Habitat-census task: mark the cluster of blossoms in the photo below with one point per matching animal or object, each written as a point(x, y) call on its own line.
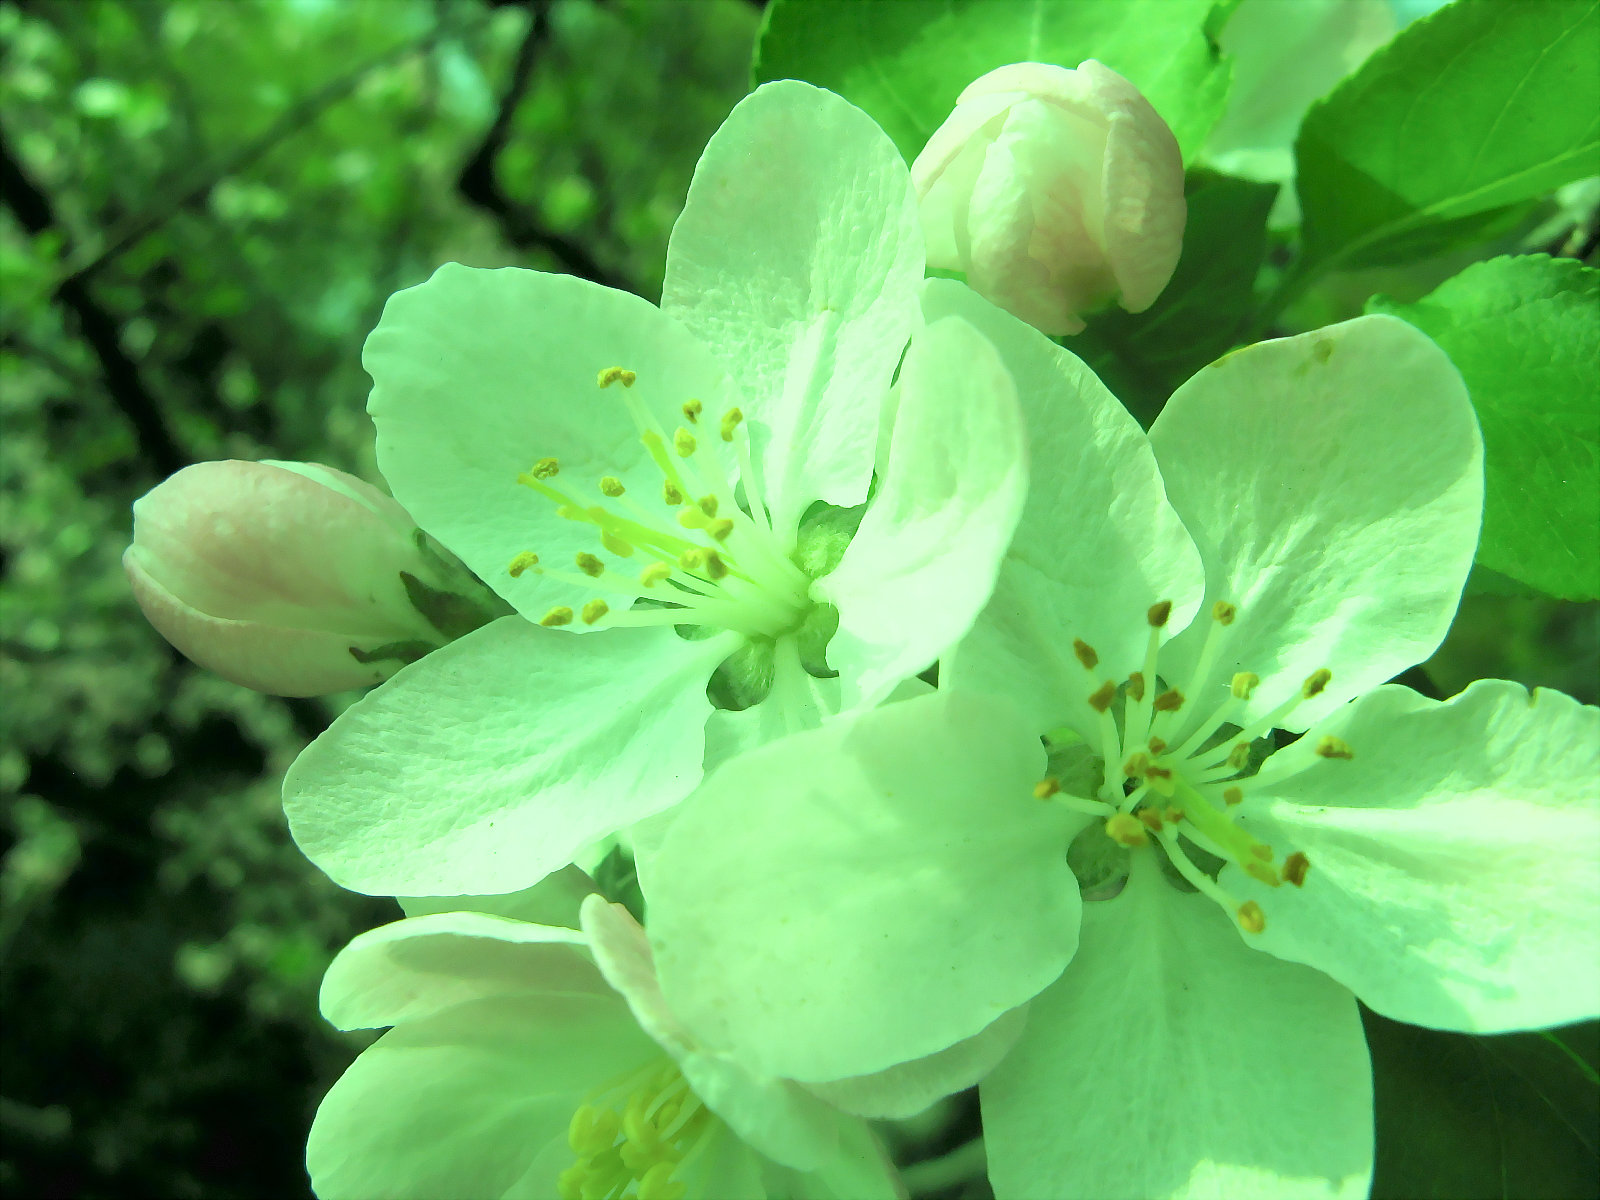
point(1130, 855)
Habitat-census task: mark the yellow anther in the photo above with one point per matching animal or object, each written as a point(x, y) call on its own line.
point(1223, 613)
point(1251, 918)
point(1170, 700)
point(545, 468)
point(1295, 868)
point(1046, 788)
point(1332, 747)
point(1264, 853)
point(521, 563)
point(692, 410)
point(1158, 613)
point(1239, 756)
point(1156, 745)
point(1136, 766)
point(592, 1130)
point(622, 549)
point(594, 610)
point(670, 492)
point(707, 505)
point(715, 567)
point(720, 528)
point(1160, 780)
point(1085, 654)
point(657, 1183)
point(683, 442)
point(1101, 698)
point(654, 574)
point(1245, 684)
point(589, 564)
point(611, 375)
point(1232, 796)
point(1136, 686)
point(610, 485)
point(730, 421)
point(1151, 819)
point(1173, 814)
point(1315, 682)
point(692, 559)
point(559, 615)
point(692, 518)
point(569, 1184)
point(1126, 830)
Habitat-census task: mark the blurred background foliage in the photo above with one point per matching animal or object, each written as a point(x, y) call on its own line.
point(205, 205)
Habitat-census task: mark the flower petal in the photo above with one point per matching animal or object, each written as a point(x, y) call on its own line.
point(474, 1101)
point(554, 900)
point(1455, 858)
point(908, 1088)
point(1334, 484)
point(479, 374)
point(415, 968)
point(1172, 1061)
point(923, 562)
point(865, 893)
point(487, 765)
point(1096, 545)
point(797, 260)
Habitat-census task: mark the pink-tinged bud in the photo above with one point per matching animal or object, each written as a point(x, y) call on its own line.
point(1055, 192)
point(282, 577)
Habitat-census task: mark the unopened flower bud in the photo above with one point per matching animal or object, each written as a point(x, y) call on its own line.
point(1055, 192)
point(291, 578)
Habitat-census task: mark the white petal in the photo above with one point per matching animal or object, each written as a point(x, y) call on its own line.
point(488, 764)
point(1455, 859)
point(1334, 484)
point(797, 260)
point(1172, 1061)
point(923, 562)
point(1097, 542)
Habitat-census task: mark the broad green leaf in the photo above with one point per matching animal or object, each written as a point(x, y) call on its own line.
point(1525, 334)
point(1478, 107)
point(1143, 357)
point(906, 61)
point(1504, 1117)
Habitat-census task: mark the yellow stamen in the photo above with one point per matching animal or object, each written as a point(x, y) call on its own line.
point(616, 545)
point(720, 528)
point(1151, 819)
point(1239, 756)
point(1223, 613)
point(714, 566)
point(1156, 745)
point(1136, 686)
point(559, 615)
point(683, 443)
point(730, 421)
point(594, 610)
point(1170, 700)
point(1232, 796)
point(521, 563)
point(546, 468)
point(610, 485)
point(670, 492)
point(590, 565)
point(1126, 830)
point(1295, 868)
point(1251, 918)
point(692, 410)
point(1085, 654)
point(1245, 684)
point(707, 505)
point(1100, 699)
point(1159, 779)
point(1136, 766)
point(1315, 682)
point(1158, 613)
point(1046, 788)
point(654, 574)
point(610, 375)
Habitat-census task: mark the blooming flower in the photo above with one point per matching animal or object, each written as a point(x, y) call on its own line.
point(1055, 192)
point(1295, 530)
point(292, 578)
point(541, 1061)
point(619, 471)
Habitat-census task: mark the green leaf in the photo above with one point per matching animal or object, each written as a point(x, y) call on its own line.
point(1480, 106)
point(1508, 1116)
point(1525, 334)
point(1143, 357)
point(905, 61)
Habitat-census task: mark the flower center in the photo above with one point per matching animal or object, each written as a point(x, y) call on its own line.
point(703, 557)
point(1156, 786)
point(632, 1137)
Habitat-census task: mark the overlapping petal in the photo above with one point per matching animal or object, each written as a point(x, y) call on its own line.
point(923, 562)
point(488, 764)
point(1455, 858)
point(804, 879)
point(810, 306)
point(1171, 1061)
point(1334, 484)
point(1097, 542)
point(479, 374)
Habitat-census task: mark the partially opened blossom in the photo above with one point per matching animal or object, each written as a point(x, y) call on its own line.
point(625, 475)
point(292, 578)
point(1295, 531)
point(1055, 192)
point(540, 1061)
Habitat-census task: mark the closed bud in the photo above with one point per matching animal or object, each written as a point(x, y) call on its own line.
point(1055, 192)
point(292, 578)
